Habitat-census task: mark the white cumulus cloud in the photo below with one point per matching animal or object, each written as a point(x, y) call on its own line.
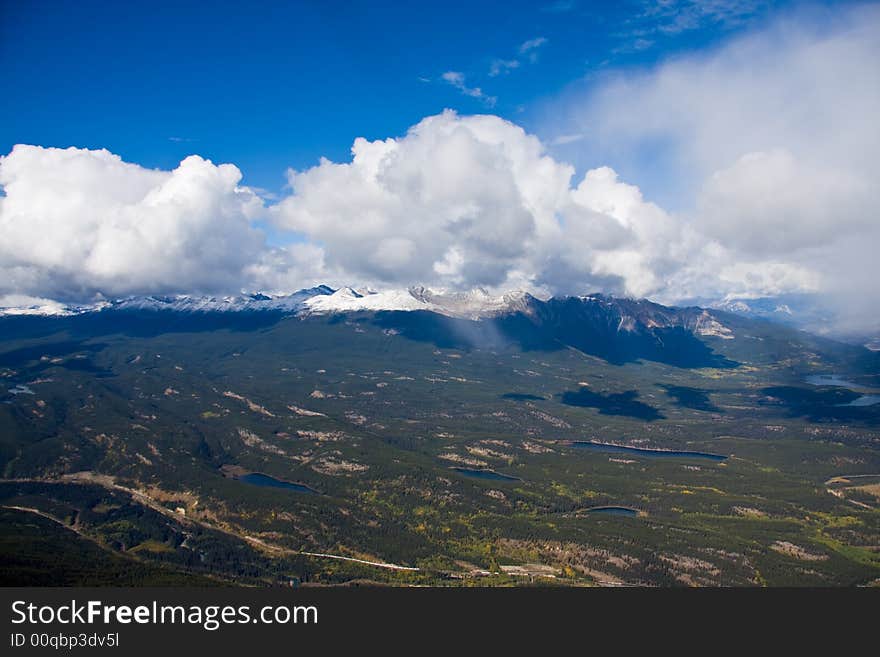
point(75, 223)
point(476, 201)
point(767, 144)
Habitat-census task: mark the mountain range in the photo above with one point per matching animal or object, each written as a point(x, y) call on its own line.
point(475, 304)
point(614, 328)
point(434, 438)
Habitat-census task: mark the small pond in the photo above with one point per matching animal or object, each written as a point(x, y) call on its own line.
point(485, 474)
point(260, 479)
point(614, 511)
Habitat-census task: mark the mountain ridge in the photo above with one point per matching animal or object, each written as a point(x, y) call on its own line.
point(322, 299)
point(616, 329)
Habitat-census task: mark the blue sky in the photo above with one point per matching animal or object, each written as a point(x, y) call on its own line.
point(681, 150)
point(269, 85)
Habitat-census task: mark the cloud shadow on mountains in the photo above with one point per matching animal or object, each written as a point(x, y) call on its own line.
point(615, 403)
point(693, 398)
point(672, 346)
point(821, 405)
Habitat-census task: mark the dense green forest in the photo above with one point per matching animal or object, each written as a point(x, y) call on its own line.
point(128, 452)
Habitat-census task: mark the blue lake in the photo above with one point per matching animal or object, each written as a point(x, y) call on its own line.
point(830, 380)
point(640, 451)
point(614, 511)
point(840, 382)
point(864, 400)
point(485, 474)
point(260, 479)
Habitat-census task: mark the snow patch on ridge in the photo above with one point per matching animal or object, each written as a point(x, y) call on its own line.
point(18, 304)
point(708, 325)
point(347, 299)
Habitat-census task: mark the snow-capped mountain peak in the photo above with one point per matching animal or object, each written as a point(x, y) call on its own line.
point(347, 299)
point(472, 304)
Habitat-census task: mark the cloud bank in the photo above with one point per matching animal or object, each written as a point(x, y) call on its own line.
point(475, 200)
point(767, 146)
point(457, 202)
point(775, 135)
point(77, 223)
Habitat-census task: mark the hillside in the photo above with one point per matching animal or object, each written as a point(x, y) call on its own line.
point(468, 443)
